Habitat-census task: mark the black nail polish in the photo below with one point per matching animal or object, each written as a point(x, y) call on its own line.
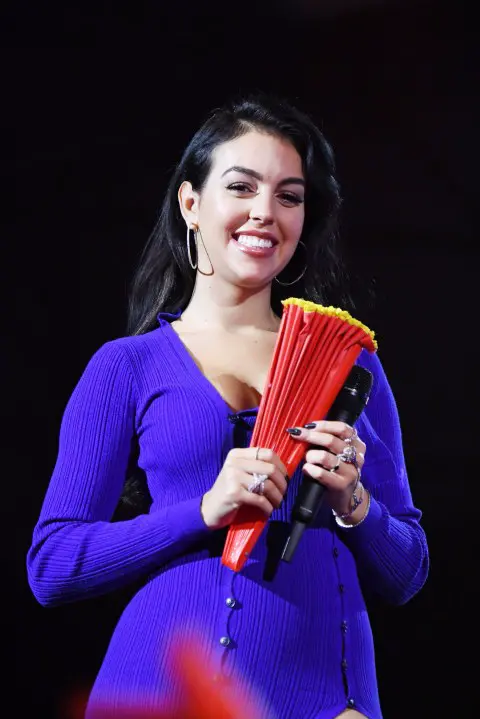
point(294, 431)
point(310, 425)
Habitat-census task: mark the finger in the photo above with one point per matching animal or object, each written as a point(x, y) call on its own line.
point(279, 481)
point(339, 429)
point(253, 466)
point(268, 455)
point(313, 433)
point(321, 439)
point(360, 460)
point(257, 500)
point(257, 453)
point(360, 445)
point(270, 490)
point(323, 458)
point(331, 461)
point(244, 452)
point(331, 480)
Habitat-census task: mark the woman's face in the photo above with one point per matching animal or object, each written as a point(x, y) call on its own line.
point(251, 209)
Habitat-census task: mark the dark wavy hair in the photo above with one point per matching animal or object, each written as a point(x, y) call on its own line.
point(164, 280)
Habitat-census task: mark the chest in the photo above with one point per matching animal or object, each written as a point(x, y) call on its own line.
point(237, 366)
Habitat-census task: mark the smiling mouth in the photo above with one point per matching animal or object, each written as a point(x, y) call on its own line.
point(254, 242)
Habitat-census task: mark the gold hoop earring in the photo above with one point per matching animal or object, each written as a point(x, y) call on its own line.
point(287, 284)
point(194, 267)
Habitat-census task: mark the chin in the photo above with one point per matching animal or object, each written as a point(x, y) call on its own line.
point(252, 281)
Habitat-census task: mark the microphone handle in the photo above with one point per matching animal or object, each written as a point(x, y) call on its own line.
point(311, 493)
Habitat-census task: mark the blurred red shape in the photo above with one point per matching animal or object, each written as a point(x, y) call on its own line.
point(203, 697)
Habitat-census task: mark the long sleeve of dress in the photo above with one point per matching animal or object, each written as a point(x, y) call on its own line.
point(76, 550)
point(390, 546)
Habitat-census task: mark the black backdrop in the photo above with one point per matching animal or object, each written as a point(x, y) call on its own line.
point(99, 104)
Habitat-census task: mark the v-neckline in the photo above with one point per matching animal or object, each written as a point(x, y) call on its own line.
point(192, 367)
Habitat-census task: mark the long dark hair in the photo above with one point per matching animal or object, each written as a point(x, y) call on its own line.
point(164, 280)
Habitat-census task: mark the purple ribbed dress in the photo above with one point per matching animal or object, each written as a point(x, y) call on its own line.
point(299, 636)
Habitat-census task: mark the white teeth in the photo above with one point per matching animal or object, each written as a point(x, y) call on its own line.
point(252, 241)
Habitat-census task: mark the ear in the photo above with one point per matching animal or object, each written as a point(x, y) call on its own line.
point(189, 201)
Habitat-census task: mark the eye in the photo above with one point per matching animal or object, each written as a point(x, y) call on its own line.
point(240, 187)
point(290, 199)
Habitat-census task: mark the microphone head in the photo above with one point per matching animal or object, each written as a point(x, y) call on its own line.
point(353, 396)
point(359, 382)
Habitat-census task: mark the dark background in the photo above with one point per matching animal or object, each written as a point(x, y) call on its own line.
point(99, 104)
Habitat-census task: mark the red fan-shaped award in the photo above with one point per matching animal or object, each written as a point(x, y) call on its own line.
point(315, 350)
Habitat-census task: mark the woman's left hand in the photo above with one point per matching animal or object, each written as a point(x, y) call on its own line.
point(338, 476)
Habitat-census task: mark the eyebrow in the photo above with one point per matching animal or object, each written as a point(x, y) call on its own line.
point(258, 176)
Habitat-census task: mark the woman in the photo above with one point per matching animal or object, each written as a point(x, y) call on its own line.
point(248, 219)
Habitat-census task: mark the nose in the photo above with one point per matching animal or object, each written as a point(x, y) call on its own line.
point(262, 209)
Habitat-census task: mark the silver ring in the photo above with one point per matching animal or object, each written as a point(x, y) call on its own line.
point(349, 455)
point(257, 452)
point(352, 437)
point(258, 484)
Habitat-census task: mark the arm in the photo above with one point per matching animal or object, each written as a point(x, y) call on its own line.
point(389, 546)
point(76, 550)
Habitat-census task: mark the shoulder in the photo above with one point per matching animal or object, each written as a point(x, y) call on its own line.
point(126, 354)
point(136, 344)
point(372, 362)
point(150, 359)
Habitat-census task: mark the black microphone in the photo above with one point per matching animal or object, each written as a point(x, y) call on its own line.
point(347, 407)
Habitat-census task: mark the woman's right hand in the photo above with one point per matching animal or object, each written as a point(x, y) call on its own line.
point(230, 490)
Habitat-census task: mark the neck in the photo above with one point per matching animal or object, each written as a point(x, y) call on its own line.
point(218, 305)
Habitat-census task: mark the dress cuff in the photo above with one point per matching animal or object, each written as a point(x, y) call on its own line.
point(185, 521)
